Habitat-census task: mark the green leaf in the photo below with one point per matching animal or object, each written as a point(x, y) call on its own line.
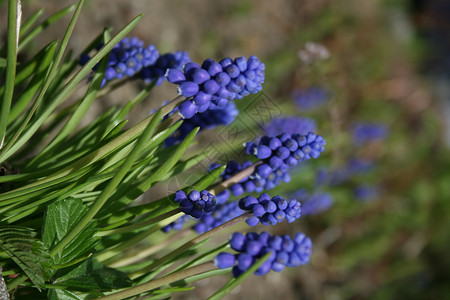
point(56, 294)
point(38, 29)
point(26, 251)
point(2, 62)
point(91, 275)
point(39, 74)
point(30, 22)
point(66, 91)
point(110, 187)
point(60, 218)
point(234, 282)
point(79, 112)
point(11, 60)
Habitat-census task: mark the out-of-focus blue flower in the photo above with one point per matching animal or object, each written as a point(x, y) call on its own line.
point(364, 132)
point(222, 213)
point(365, 193)
point(317, 203)
point(127, 58)
point(340, 175)
point(310, 98)
point(286, 252)
point(205, 120)
point(289, 125)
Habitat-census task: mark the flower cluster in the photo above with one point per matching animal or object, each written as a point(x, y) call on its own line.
point(289, 125)
point(317, 203)
point(177, 224)
point(285, 150)
point(205, 120)
point(127, 58)
point(365, 132)
point(285, 252)
point(213, 84)
point(195, 203)
point(222, 213)
point(270, 211)
point(156, 71)
point(365, 193)
point(310, 98)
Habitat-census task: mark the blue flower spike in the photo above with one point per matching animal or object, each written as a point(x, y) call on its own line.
point(213, 84)
point(286, 252)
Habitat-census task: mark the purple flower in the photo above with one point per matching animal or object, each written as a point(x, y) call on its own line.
point(213, 84)
point(157, 71)
point(195, 204)
point(317, 203)
point(310, 98)
point(205, 120)
point(285, 252)
point(289, 125)
point(127, 58)
point(365, 132)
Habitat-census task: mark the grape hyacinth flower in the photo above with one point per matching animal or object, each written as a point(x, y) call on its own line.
point(364, 132)
point(285, 252)
point(127, 58)
point(214, 84)
point(270, 211)
point(366, 193)
point(276, 155)
point(310, 98)
point(317, 203)
point(205, 120)
point(221, 214)
point(196, 203)
point(289, 125)
point(156, 72)
point(284, 151)
point(177, 224)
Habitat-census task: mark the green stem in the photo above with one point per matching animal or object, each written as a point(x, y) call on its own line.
point(146, 252)
point(188, 245)
point(234, 179)
point(109, 189)
point(11, 61)
point(139, 289)
point(140, 225)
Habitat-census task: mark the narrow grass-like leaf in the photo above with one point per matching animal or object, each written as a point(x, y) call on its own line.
point(2, 63)
point(41, 27)
point(234, 282)
point(81, 110)
point(38, 77)
point(30, 22)
point(11, 60)
point(68, 89)
point(97, 205)
point(51, 74)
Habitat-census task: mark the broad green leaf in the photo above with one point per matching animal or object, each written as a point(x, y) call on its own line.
point(91, 275)
point(60, 218)
point(57, 294)
point(20, 244)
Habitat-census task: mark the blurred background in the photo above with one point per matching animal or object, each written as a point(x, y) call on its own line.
point(372, 77)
